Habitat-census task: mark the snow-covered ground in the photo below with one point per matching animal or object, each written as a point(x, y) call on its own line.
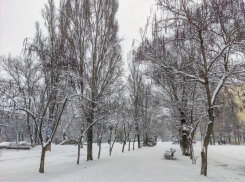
point(226, 163)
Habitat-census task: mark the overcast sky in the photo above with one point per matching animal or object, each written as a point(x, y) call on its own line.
point(17, 18)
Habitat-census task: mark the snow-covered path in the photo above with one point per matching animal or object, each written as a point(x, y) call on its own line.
point(228, 161)
point(140, 165)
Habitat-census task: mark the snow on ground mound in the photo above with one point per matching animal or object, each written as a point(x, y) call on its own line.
point(6, 144)
point(139, 165)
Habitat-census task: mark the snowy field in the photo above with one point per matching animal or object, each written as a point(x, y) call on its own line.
point(226, 163)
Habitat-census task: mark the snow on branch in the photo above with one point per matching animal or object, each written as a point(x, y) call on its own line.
point(199, 120)
point(80, 95)
point(165, 65)
point(217, 89)
point(89, 127)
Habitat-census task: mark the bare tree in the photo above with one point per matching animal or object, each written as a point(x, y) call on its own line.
point(92, 32)
point(25, 74)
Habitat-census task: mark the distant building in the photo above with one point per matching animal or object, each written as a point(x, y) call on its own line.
point(238, 93)
point(12, 126)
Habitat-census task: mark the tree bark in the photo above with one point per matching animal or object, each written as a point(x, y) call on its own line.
point(213, 138)
point(138, 137)
point(124, 143)
point(90, 144)
point(146, 140)
point(129, 144)
point(41, 169)
point(134, 141)
point(99, 148)
point(113, 143)
point(204, 152)
point(78, 153)
point(204, 163)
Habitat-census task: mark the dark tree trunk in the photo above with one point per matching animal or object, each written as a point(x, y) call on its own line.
point(78, 153)
point(204, 152)
point(213, 138)
point(124, 143)
point(113, 144)
point(90, 144)
point(138, 137)
point(134, 141)
point(99, 148)
point(184, 143)
point(36, 140)
point(129, 144)
point(146, 140)
point(29, 129)
point(191, 156)
point(204, 163)
point(41, 169)
point(121, 137)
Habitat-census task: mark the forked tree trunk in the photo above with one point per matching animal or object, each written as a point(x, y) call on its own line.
point(41, 169)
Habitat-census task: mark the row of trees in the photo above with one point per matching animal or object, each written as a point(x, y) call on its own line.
point(192, 50)
point(68, 84)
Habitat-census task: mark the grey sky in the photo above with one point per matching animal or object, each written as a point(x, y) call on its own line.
point(17, 18)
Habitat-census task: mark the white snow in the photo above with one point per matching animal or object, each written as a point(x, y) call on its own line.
point(218, 87)
point(226, 163)
point(6, 144)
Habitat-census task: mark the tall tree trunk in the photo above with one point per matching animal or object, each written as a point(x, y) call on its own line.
point(146, 140)
point(204, 152)
point(36, 140)
point(29, 129)
point(134, 141)
point(90, 134)
point(90, 144)
point(138, 137)
point(41, 169)
point(99, 147)
point(113, 142)
point(78, 153)
point(191, 155)
point(184, 143)
point(110, 143)
point(124, 143)
point(129, 144)
point(213, 138)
